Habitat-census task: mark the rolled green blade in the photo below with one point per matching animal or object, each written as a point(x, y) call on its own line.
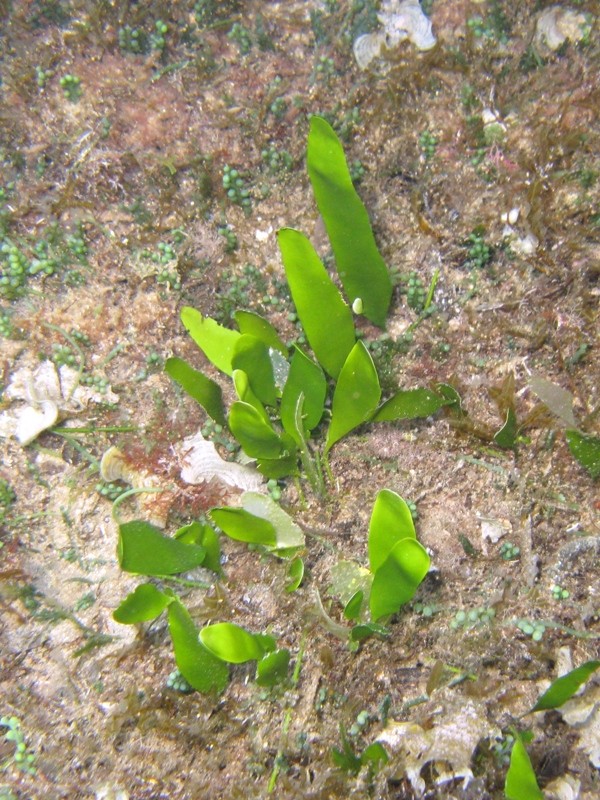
point(326, 319)
point(391, 521)
point(398, 578)
point(356, 395)
point(201, 669)
point(361, 268)
point(146, 602)
point(145, 550)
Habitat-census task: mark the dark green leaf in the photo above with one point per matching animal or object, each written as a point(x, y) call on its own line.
point(307, 378)
point(353, 606)
point(145, 550)
point(563, 689)
point(521, 783)
point(346, 759)
point(507, 435)
point(452, 397)
point(255, 325)
point(410, 404)
point(257, 438)
point(278, 468)
point(231, 643)
point(361, 268)
point(273, 668)
point(204, 535)
point(367, 629)
point(295, 572)
point(204, 390)
point(146, 602)
point(216, 342)
point(252, 357)
point(398, 578)
point(391, 521)
point(374, 756)
point(585, 450)
point(356, 395)
point(243, 526)
point(201, 669)
point(326, 319)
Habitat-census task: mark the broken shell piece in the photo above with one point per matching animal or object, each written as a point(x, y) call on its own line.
point(49, 395)
point(400, 21)
point(492, 530)
point(368, 47)
point(525, 245)
point(555, 25)
point(450, 742)
point(155, 505)
point(30, 421)
point(201, 463)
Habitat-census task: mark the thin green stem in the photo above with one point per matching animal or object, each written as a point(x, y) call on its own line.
point(129, 493)
point(432, 285)
point(287, 719)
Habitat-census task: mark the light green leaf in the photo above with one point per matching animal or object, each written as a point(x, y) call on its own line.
point(356, 395)
point(307, 378)
point(231, 643)
point(254, 324)
point(216, 342)
point(201, 669)
point(246, 395)
point(361, 268)
point(391, 521)
point(143, 549)
point(585, 450)
point(252, 357)
point(288, 534)
point(348, 578)
point(521, 783)
point(410, 404)
point(563, 689)
point(326, 319)
point(243, 526)
point(398, 578)
point(146, 602)
point(554, 397)
point(204, 390)
point(257, 438)
point(273, 668)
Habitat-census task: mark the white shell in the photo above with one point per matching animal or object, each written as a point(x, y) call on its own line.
point(367, 47)
point(48, 394)
point(30, 421)
point(555, 25)
point(513, 216)
point(200, 463)
point(406, 20)
point(400, 20)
